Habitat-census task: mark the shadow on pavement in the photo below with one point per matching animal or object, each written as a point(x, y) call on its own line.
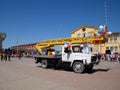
point(71, 70)
point(98, 70)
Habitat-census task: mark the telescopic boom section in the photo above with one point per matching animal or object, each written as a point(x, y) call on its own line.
point(60, 41)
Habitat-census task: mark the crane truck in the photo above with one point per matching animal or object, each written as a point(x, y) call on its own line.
point(76, 53)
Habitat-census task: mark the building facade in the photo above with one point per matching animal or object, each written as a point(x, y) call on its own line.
point(24, 48)
point(113, 42)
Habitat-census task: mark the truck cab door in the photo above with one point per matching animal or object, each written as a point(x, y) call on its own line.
point(66, 55)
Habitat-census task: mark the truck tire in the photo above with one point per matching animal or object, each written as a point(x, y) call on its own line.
point(78, 67)
point(44, 63)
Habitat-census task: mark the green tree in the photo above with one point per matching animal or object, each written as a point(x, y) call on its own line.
point(2, 37)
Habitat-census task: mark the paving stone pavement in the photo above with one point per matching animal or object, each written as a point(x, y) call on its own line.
point(24, 74)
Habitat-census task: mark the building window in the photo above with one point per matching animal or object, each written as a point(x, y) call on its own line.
point(115, 39)
point(111, 39)
point(83, 35)
point(78, 35)
point(115, 48)
point(83, 29)
point(88, 34)
point(111, 48)
point(107, 48)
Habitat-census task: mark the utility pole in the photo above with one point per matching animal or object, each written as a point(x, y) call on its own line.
point(17, 46)
point(106, 16)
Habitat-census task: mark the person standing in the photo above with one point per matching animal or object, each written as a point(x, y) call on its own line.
point(20, 55)
point(119, 58)
point(98, 57)
point(2, 56)
point(9, 56)
point(5, 57)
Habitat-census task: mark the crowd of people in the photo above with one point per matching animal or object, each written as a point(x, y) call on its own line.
point(100, 57)
point(109, 57)
point(5, 56)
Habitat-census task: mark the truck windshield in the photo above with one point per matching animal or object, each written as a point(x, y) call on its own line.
point(76, 49)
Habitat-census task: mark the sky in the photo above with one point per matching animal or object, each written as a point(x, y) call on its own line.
point(29, 21)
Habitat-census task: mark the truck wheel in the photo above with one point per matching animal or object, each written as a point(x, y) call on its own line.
point(44, 64)
point(78, 67)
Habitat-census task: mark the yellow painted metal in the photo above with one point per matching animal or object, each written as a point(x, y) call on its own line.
point(73, 40)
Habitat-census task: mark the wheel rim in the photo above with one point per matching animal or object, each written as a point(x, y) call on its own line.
point(78, 67)
point(44, 64)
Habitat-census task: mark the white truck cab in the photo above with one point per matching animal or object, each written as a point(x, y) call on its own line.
point(75, 52)
point(79, 57)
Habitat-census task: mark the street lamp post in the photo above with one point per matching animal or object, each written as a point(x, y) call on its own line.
point(17, 47)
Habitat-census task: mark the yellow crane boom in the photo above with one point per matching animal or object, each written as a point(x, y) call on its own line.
point(73, 40)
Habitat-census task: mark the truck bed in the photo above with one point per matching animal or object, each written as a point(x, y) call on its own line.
point(52, 62)
point(47, 57)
